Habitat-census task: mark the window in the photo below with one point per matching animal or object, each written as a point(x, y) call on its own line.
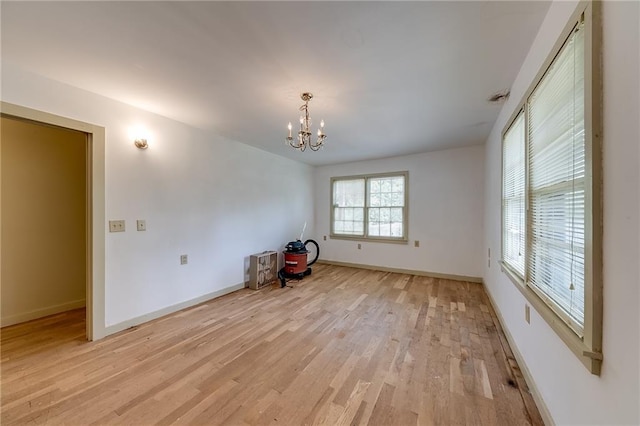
point(370, 207)
point(550, 194)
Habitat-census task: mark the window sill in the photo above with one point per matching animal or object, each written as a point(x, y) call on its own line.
point(369, 239)
point(591, 360)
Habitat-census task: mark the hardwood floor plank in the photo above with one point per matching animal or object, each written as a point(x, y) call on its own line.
point(383, 410)
point(343, 346)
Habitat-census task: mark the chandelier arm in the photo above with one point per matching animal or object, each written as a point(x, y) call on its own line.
point(318, 143)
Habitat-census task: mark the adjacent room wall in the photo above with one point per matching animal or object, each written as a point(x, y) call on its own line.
point(43, 220)
point(570, 393)
point(216, 200)
point(445, 213)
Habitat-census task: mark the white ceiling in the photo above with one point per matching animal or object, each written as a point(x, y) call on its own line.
point(388, 78)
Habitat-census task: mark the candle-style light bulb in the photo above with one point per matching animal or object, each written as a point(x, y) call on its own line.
point(319, 132)
point(321, 123)
point(289, 127)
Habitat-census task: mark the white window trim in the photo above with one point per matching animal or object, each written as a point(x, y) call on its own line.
point(588, 348)
point(405, 219)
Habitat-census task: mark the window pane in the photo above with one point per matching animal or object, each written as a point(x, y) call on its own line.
point(348, 227)
point(374, 229)
point(348, 214)
point(396, 215)
point(396, 229)
point(375, 199)
point(397, 184)
point(386, 191)
point(385, 215)
point(348, 220)
point(358, 228)
point(557, 181)
point(348, 193)
point(386, 222)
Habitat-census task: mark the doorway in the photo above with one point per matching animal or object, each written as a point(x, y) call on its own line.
point(52, 251)
point(44, 230)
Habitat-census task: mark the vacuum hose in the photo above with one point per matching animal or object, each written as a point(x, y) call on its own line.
point(317, 251)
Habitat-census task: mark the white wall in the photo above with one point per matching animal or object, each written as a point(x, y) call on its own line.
point(216, 200)
point(571, 394)
point(445, 213)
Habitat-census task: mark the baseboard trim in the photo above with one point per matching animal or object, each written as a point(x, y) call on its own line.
point(43, 312)
point(403, 271)
point(542, 407)
point(112, 329)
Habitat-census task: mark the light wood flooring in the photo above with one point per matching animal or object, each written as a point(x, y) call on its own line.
point(343, 346)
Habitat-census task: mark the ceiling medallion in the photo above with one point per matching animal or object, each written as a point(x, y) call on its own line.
point(304, 134)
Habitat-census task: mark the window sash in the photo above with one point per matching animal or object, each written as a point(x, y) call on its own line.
point(385, 206)
point(556, 175)
point(348, 206)
point(513, 196)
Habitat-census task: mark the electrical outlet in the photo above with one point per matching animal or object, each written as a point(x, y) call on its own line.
point(142, 225)
point(184, 259)
point(116, 226)
point(359, 246)
point(527, 314)
point(325, 238)
point(416, 243)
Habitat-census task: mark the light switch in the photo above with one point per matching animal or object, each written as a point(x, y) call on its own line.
point(184, 259)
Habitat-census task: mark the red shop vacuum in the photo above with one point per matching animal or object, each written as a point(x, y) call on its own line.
point(297, 264)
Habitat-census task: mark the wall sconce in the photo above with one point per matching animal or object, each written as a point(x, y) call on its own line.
point(141, 143)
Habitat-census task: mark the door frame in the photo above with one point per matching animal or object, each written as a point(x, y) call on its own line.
point(95, 209)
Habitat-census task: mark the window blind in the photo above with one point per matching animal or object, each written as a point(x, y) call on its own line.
point(556, 155)
point(513, 196)
point(348, 206)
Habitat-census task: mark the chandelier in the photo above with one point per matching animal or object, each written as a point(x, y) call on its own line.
point(304, 134)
